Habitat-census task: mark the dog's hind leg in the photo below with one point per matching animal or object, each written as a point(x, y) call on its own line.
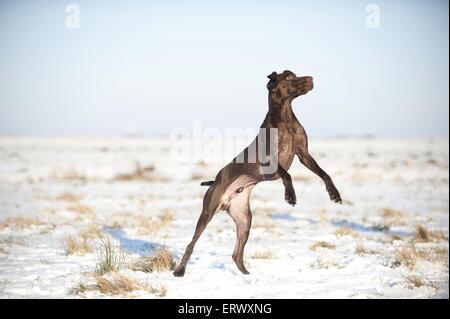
point(210, 206)
point(240, 211)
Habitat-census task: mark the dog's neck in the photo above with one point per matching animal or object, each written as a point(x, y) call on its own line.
point(281, 109)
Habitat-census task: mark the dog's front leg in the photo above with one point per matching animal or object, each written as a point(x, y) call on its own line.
point(289, 191)
point(312, 165)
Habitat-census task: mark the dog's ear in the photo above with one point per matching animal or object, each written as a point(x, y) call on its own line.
point(273, 79)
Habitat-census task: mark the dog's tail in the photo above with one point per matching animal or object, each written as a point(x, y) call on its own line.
point(208, 183)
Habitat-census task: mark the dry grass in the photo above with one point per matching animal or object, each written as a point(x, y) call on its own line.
point(361, 250)
point(417, 281)
point(139, 173)
point(199, 174)
point(68, 173)
point(111, 256)
point(118, 284)
point(68, 197)
point(20, 223)
point(91, 232)
point(149, 226)
point(116, 225)
point(163, 260)
point(437, 255)
point(409, 255)
point(81, 209)
point(392, 217)
point(322, 244)
point(406, 256)
point(74, 245)
point(424, 235)
point(346, 231)
point(266, 254)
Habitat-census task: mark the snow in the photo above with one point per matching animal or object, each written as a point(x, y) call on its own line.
point(407, 176)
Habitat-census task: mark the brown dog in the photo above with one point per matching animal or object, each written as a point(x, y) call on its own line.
point(231, 189)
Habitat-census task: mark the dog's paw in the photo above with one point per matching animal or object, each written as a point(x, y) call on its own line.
point(334, 194)
point(179, 273)
point(290, 197)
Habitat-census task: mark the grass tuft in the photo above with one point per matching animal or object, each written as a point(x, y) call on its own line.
point(424, 235)
point(392, 217)
point(68, 197)
point(163, 260)
point(406, 256)
point(118, 284)
point(346, 231)
point(322, 244)
point(361, 250)
point(73, 245)
point(111, 256)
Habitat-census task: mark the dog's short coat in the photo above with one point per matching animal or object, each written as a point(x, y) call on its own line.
point(233, 184)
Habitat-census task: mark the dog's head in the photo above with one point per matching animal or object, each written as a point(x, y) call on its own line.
point(288, 86)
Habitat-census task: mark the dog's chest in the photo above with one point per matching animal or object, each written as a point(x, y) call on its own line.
point(285, 149)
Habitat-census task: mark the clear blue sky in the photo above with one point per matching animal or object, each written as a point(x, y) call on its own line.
point(151, 66)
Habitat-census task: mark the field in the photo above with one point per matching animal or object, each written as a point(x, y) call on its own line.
point(110, 217)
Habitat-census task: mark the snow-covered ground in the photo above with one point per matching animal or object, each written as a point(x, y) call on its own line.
point(389, 238)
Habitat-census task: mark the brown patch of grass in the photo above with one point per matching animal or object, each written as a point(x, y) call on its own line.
point(406, 256)
point(74, 245)
point(152, 225)
point(139, 173)
point(118, 284)
point(394, 238)
point(163, 260)
point(20, 223)
point(434, 255)
point(92, 232)
point(199, 174)
point(392, 217)
point(346, 231)
point(322, 244)
point(116, 225)
point(424, 235)
point(68, 173)
point(361, 250)
point(81, 209)
point(266, 254)
point(417, 281)
point(68, 197)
